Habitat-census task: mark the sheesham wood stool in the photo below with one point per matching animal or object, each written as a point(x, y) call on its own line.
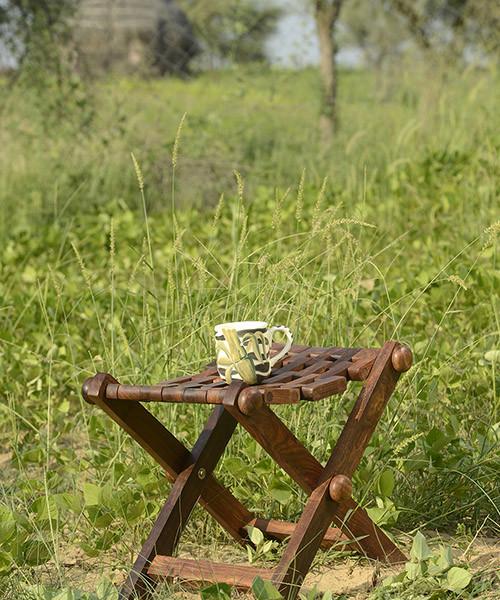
point(305, 374)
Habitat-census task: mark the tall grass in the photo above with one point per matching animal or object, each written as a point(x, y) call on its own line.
point(391, 234)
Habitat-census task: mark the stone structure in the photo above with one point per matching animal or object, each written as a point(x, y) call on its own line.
point(133, 36)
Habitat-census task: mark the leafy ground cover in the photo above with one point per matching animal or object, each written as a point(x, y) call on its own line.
point(123, 264)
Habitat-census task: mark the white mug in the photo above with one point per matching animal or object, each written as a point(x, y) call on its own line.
point(244, 350)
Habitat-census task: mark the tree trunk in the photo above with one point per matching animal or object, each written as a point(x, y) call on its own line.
point(326, 14)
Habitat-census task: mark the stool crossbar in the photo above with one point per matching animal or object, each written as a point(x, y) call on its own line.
point(305, 374)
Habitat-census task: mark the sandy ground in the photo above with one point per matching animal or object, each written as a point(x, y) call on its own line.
point(356, 578)
point(352, 577)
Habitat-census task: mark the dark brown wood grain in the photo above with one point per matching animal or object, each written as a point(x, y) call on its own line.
point(304, 543)
point(280, 443)
point(292, 380)
point(365, 353)
point(289, 453)
point(173, 457)
point(204, 571)
point(364, 416)
point(360, 369)
point(281, 530)
point(324, 387)
point(184, 495)
point(320, 509)
point(306, 373)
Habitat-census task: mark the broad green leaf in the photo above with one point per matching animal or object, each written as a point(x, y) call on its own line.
point(68, 501)
point(135, 510)
point(217, 591)
point(413, 570)
point(235, 466)
point(265, 590)
point(392, 579)
point(7, 524)
point(34, 455)
point(105, 590)
point(256, 536)
point(99, 517)
point(378, 515)
point(445, 559)
point(437, 440)
point(420, 549)
point(280, 491)
point(263, 467)
point(36, 552)
point(91, 494)
point(66, 594)
point(433, 569)
point(386, 483)
point(457, 579)
point(6, 562)
point(106, 495)
point(492, 356)
point(45, 508)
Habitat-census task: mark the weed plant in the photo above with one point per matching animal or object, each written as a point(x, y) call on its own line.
point(120, 264)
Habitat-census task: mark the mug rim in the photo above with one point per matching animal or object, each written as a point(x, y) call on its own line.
point(242, 326)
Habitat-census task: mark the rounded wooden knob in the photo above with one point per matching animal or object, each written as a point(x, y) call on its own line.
point(340, 488)
point(402, 359)
point(250, 400)
point(94, 388)
point(85, 390)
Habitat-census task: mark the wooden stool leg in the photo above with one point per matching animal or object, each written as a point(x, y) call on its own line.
point(184, 495)
point(280, 443)
point(169, 453)
point(304, 543)
point(325, 501)
point(192, 472)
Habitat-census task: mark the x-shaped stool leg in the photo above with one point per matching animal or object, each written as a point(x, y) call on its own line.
point(191, 472)
point(329, 487)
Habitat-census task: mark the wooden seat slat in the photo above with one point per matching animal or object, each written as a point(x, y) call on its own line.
point(305, 373)
point(324, 388)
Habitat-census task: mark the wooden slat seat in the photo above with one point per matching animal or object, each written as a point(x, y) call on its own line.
point(305, 373)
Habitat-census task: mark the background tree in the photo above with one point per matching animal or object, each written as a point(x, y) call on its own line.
point(457, 28)
point(32, 30)
point(326, 13)
point(37, 35)
point(374, 28)
point(232, 30)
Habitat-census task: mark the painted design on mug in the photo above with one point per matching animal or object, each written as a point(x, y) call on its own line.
point(244, 350)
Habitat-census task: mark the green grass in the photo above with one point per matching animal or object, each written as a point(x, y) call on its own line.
point(397, 242)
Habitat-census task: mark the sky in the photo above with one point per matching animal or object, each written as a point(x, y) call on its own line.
point(295, 44)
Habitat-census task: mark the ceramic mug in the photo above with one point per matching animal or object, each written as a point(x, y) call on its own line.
point(244, 350)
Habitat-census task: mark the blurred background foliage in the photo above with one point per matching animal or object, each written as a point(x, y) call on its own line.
point(385, 227)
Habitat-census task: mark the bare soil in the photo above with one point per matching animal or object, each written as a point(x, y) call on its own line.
point(352, 577)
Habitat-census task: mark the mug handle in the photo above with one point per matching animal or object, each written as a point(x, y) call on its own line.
point(286, 347)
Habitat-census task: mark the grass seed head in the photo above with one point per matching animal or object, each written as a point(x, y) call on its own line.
point(138, 172)
point(175, 150)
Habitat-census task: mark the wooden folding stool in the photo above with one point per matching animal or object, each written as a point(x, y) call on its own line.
point(305, 374)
